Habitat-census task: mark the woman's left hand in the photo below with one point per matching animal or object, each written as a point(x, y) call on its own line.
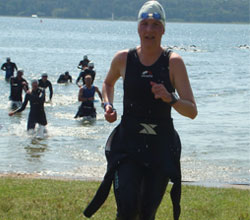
point(160, 92)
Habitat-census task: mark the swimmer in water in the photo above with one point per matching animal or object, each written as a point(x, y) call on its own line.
point(17, 85)
point(86, 96)
point(87, 71)
point(83, 63)
point(65, 78)
point(9, 68)
point(45, 83)
point(36, 98)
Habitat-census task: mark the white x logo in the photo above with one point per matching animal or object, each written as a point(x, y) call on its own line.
point(148, 129)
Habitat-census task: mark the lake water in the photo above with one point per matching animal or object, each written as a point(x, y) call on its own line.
point(215, 146)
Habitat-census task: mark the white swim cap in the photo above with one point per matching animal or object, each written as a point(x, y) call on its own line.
point(20, 70)
point(34, 81)
point(91, 64)
point(152, 9)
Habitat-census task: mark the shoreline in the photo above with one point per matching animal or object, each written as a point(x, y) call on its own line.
point(96, 179)
point(127, 20)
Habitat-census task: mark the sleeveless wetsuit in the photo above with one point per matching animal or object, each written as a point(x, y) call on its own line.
point(87, 108)
point(88, 93)
point(37, 113)
point(143, 152)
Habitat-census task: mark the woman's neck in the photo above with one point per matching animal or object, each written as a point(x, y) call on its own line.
point(149, 56)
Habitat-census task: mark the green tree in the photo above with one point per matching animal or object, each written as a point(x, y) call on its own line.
point(176, 10)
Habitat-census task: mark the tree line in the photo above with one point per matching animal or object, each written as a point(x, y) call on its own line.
point(176, 10)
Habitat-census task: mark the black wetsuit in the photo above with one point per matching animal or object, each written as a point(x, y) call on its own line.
point(46, 85)
point(87, 108)
point(63, 79)
point(37, 113)
point(16, 88)
point(9, 69)
point(84, 63)
point(85, 73)
point(143, 152)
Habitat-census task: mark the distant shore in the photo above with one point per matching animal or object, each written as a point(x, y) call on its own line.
point(127, 20)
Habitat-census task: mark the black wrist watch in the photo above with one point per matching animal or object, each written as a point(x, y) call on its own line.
point(174, 97)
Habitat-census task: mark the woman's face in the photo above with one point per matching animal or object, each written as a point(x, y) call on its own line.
point(150, 32)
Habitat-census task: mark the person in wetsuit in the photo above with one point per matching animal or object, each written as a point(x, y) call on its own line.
point(45, 83)
point(86, 96)
point(88, 71)
point(65, 78)
point(143, 152)
point(9, 68)
point(17, 85)
point(36, 98)
point(83, 64)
